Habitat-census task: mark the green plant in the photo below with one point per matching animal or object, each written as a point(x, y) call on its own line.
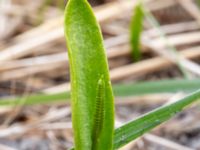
point(136, 27)
point(120, 90)
point(92, 98)
point(138, 127)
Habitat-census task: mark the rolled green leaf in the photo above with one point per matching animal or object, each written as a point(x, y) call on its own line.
point(90, 82)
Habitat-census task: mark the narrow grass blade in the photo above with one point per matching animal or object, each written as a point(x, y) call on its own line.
point(92, 95)
point(36, 99)
point(138, 127)
point(153, 87)
point(136, 27)
point(121, 90)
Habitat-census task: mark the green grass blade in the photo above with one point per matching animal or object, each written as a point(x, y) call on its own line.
point(153, 87)
point(89, 76)
point(136, 27)
point(121, 90)
point(35, 99)
point(138, 127)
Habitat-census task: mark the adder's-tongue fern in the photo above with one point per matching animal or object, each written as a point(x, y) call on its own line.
point(92, 98)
